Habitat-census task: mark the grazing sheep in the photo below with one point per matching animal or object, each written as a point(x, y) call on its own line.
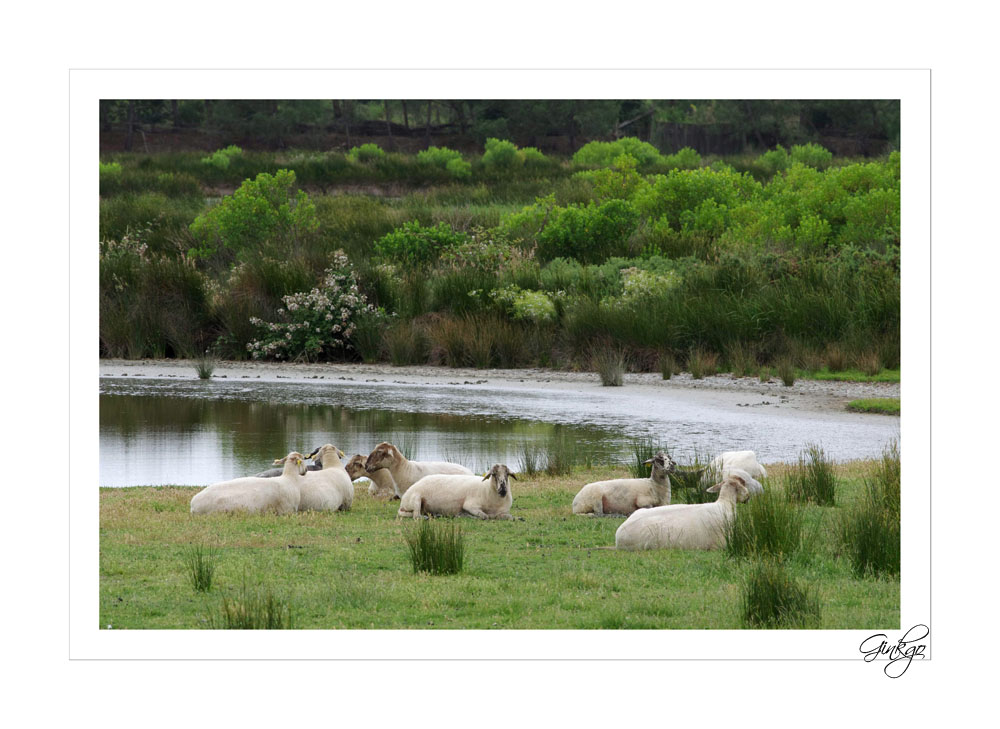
point(253, 494)
point(405, 473)
point(488, 497)
point(382, 486)
point(329, 489)
point(625, 495)
point(729, 461)
point(684, 526)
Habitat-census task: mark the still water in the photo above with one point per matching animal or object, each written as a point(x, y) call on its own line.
point(192, 432)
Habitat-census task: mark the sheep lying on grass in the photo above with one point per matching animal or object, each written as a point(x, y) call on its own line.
point(382, 486)
point(724, 463)
point(405, 473)
point(684, 526)
point(316, 465)
point(329, 489)
point(625, 495)
point(488, 497)
point(254, 494)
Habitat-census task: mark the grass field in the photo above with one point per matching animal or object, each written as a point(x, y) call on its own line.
point(552, 570)
point(882, 405)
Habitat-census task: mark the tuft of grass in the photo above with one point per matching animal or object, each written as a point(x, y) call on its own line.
point(868, 534)
point(764, 375)
point(701, 362)
point(771, 598)
point(405, 344)
point(253, 609)
point(742, 359)
point(560, 456)
point(438, 549)
point(785, 367)
point(610, 365)
point(530, 458)
point(642, 450)
point(882, 405)
point(869, 363)
point(766, 526)
point(813, 479)
point(835, 357)
point(205, 365)
point(668, 365)
point(854, 375)
point(200, 563)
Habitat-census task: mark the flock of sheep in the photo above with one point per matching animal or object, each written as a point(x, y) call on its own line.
point(439, 488)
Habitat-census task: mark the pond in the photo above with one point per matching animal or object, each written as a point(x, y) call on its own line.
point(192, 432)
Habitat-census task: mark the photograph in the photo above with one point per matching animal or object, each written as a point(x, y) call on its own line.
point(605, 363)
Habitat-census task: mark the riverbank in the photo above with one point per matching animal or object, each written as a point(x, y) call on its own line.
point(551, 570)
point(725, 391)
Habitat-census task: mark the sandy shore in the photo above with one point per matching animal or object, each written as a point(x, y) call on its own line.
point(719, 390)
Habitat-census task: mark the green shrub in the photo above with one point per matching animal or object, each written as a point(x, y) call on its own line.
point(459, 169)
point(446, 159)
point(501, 154)
point(771, 598)
point(812, 479)
point(767, 525)
point(812, 155)
point(679, 192)
point(869, 532)
point(110, 170)
point(773, 161)
point(366, 153)
point(222, 158)
point(683, 159)
point(588, 233)
point(438, 549)
point(268, 211)
point(416, 245)
point(603, 154)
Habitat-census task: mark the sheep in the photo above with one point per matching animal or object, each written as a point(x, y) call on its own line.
point(382, 486)
point(404, 472)
point(684, 526)
point(316, 465)
point(329, 489)
point(743, 460)
point(253, 494)
point(625, 495)
point(488, 497)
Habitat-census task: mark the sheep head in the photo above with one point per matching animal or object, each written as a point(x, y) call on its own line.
point(384, 455)
point(731, 486)
point(329, 453)
point(295, 458)
point(356, 467)
point(500, 473)
point(662, 462)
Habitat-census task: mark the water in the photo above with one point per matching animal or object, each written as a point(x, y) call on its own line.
point(193, 432)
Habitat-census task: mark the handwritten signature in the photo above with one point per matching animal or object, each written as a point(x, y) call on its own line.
point(899, 654)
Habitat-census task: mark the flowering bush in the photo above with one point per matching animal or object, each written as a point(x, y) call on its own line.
point(317, 323)
point(487, 250)
point(534, 306)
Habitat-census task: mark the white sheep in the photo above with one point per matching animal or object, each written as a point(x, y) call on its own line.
point(254, 494)
point(381, 487)
point(625, 495)
point(729, 461)
point(404, 472)
point(439, 494)
point(330, 488)
point(684, 526)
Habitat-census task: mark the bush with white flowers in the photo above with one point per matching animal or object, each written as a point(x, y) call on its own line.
point(316, 324)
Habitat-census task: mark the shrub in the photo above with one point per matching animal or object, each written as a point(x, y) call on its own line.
point(222, 158)
point(446, 159)
point(701, 362)
point(366, 153)
point(813, 479)
point(610, 366)
point(405, 344)
point(318, 323)
point(811, 155)
point(436, 548)
point(501, 155)
point(534, 159)
point(771, 598)
point(254, 609)
point(535, 306)
point(767, 525)
point(266, 211)
point(602, 154)
point(773, 161)
point(416, 245)
point(200, 563)
point(459, 169)
point(684, 159)
point(205, 365)
point(588, 233)
point(110, 171)
point(681, 197)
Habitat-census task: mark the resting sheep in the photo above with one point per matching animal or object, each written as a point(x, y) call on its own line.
point(316, 465)
point(254, 494)
point(625, 495)
point(488, 497)
point(382, 486)
point(684, 526)
point(329, 489)
point(404, 472)
point(729, 461)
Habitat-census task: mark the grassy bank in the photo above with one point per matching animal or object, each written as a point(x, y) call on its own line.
point(552, 570)
point(883, 405)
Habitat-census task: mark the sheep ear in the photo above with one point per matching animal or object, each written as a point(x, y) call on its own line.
point(277, 461)
point(512, 476)
point(486, 477)
point(340, 452)
point(714, 489)
point(647, 462)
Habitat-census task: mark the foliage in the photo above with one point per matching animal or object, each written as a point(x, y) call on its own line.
point(886, 405)
point(812, 479)
point(610, 366)
point(265, 212)
point(771, 598)
point(766, 526)
point(446, 159)
point(533, 306)
point(869, 533)
point(811, 155)
point(367, 152)
point(603, 154)
point(438, 549)
point(589, 233)
point(416, 245)
point(501, 154)
point(200, 564)
point(222, 158)
point(318, 323)
point(253, 609)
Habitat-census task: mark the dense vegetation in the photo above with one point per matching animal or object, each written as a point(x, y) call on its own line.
point(507, 258)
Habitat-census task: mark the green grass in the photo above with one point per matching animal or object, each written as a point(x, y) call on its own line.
point(553, 570)
point(767, 525)
point(813, 479)
point(200, 564)
point(772, 598)
point(850, 375)
point(883, 405)
point(437, 549)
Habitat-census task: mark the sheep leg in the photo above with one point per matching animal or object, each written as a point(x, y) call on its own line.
point(478, 513)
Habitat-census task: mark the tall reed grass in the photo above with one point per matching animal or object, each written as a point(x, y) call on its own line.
point(200, 564)
point(438, 549)
point(253, 608)
point(610, 364)
point(771, 598)
point(812, 479)
point(768, 525)
point(869, 532)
